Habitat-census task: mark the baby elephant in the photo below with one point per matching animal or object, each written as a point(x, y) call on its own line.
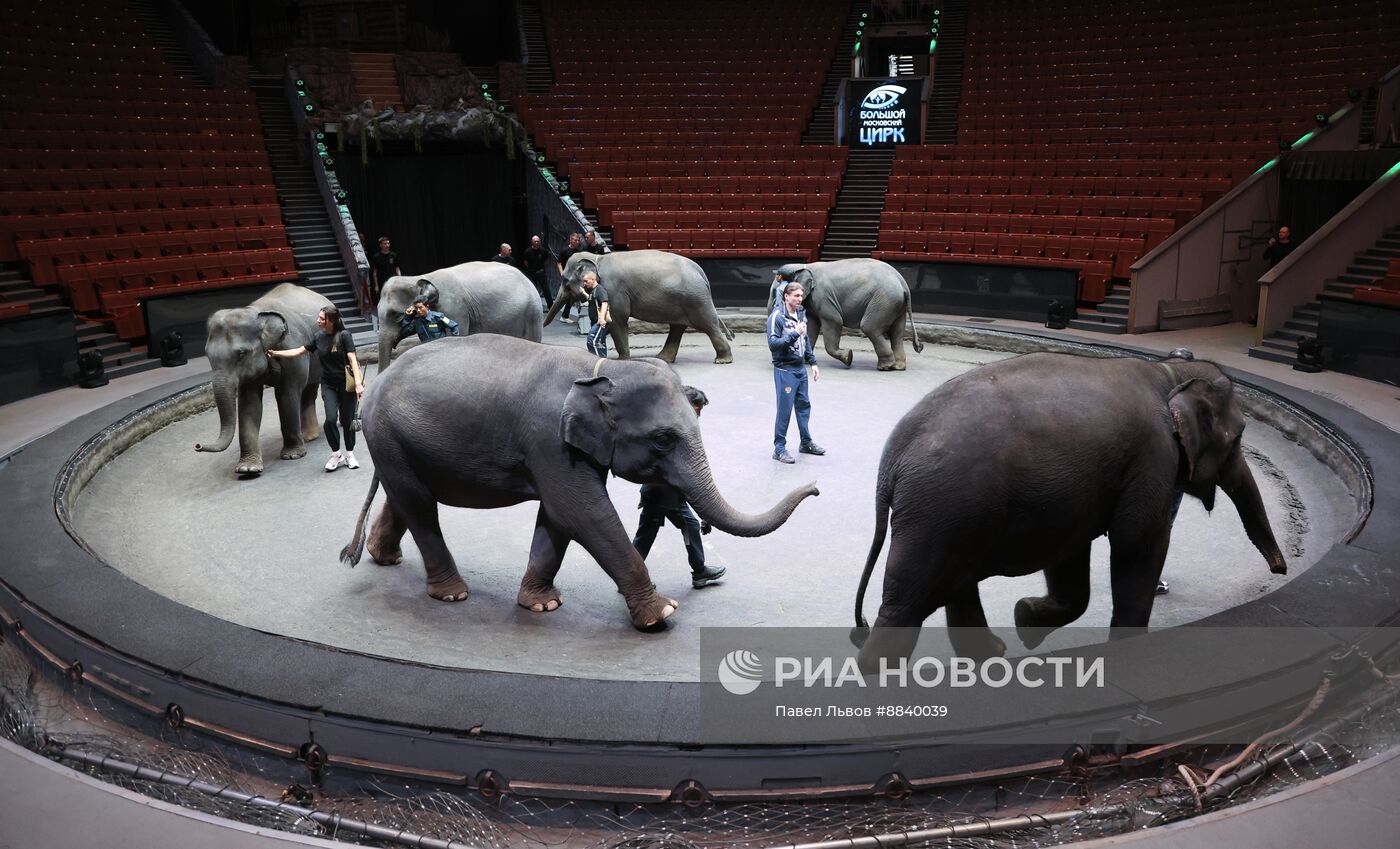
point(1019, 465)
point(514, 421)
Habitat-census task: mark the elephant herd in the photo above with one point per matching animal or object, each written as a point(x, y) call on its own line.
point(1082, 447)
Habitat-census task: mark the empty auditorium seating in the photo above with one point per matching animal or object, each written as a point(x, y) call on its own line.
point(1111, 122)
point(695, 117)
point(121, 179)
point(1387, 290)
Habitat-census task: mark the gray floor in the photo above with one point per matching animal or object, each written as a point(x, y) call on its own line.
point(262, 553)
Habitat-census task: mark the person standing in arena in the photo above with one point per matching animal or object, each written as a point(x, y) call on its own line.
point(792, 354)
point(383, 264)
point(342, 383)
point(597, 314)
point(575, 245)
point(534, 259)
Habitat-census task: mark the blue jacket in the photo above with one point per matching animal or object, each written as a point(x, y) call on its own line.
point(434, 325)
point(790, 349)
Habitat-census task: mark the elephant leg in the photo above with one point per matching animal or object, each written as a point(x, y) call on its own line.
point(831, 340)
point(967, 627)
point(1135, 565)
point(250, 410)
point(537, 590)
point(617, 329)
point(709, 325)
point(310, 425)
point(386, 537)
point(673, 343)
point(897, 339)
point(601, 533)
point(1065, 600)
point(416, 508)
point(289, 408)
point(875, 330)
point(917, 583)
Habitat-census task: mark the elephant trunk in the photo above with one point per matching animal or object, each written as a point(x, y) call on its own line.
point(1238, 483)
point(226, 400)
point(388, 338)
point(560, 301)
point(702, 494)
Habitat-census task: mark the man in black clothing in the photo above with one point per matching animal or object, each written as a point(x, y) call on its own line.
point(575, 245)
point(383, 265)
point(593, 244)
point(534, 258)
point(597, 315)
point(1280, 246)
point(503, 256)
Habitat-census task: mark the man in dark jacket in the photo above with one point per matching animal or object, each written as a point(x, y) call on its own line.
point(792, 353)
point(427, 323)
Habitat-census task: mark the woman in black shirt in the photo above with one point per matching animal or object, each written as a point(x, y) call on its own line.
point(334, 347)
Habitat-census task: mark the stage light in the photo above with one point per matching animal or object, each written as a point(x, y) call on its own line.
point(91, 371)
point(330, 162)
point(320, 137)
point(563, 187)
point(301, 83)
point(340, 195)
point(172, 350)
point(1309, 356)
point(1056, 316)
point(310, 108)
point(1321, 119)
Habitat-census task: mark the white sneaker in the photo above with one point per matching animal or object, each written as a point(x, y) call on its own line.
point(334, 462)
point(350, 461)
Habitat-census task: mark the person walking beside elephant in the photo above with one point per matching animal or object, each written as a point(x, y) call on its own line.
point(428, 324)
point(562, 261)
point(792, 353)
point(597, 315)
point(342, 383)
point(661, 503)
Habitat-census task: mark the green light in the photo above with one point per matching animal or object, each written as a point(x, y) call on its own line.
point(340, 194)
point(484, 86)
point(863, 14)
point(932, 44)
point(1300, 142)
point(310, 108)
point(1394, 169)
point(301, 83)
point(301, 93)
point(500, 109)
point(857, 49)
point(330, 162)
point(1266, 166)
point(320, 136)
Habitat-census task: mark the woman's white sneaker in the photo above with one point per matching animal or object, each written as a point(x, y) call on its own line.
point(350, 461)
point(334, 462)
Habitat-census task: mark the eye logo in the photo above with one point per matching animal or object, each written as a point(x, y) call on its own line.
point(883, 97)
point(741, 672)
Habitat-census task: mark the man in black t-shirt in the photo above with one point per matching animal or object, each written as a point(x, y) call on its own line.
point(534, 258)
point(597, 314)
point(1280, 246)
point(383, 265)
point(562, 261)
point(503, 255)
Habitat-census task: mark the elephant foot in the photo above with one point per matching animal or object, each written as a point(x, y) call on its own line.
point(977, 643)
point(891, 365)
point(667, 356)
point(384, 555)
point(539, 599)
point(651, 614)
point(724, 359)
point(450, 589)
point(293, 452)
point(249, 466)
point(846, 358)
point(311, 435)
point(1032, 624)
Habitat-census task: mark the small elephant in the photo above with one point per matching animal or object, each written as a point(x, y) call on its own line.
point(238, 342)
point(1019, 465)
point(519, 422)
point(654, 286)
point(482, 297)
point(864, 293)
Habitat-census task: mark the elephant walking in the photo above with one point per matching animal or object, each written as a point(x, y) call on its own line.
point(654, 286)
point(516, 421)
point(238, 342)
point(864, 293)
point(482, 297)
point(1018, 466)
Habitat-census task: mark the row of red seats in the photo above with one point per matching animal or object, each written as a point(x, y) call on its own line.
point(1180, 209)
point(119, 200)
point(739, 242)
point(82, 160)
point(1386, 291)
point(608, 203)
point(43, 180)
point(824, 186)
point(1020, 151)
point(622, 220)
point(85, 284)
point(663, 91)
point(185, 138)
point(1127, 135)
point(1093, 274)
point(1220, 169)
point(13, 311)
point(86, 123)
point(1120, 253)
point(639, 170)
point(1153, 230)
point(1060, 186)
point(80, 224)
point(682, 118)
point(46, 256)
point(165, 88)
point(125, 306)
point(704, 153)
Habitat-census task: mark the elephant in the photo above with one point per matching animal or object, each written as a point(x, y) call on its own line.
point(864, 293)
point(238, 342)
point(1019, 465)
point(526, 422)
point(483, 297)
point(654, 286)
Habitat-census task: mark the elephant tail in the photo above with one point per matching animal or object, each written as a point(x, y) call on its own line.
point(882, 524)
point(724, 328)
point(350, 554)
point(913, 328)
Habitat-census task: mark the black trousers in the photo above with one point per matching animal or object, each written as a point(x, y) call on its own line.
point(655, 515)
point(340, 405)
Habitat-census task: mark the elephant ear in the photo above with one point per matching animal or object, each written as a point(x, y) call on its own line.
point(428, 292)
point(587, 423)
point(274, 329)
point(828, 294)
point(1194, 407)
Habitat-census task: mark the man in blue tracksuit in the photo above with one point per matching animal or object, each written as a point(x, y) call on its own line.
point(792, 353)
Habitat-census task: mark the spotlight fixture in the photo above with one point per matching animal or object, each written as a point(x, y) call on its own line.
point(172, 350)
point(91, 371)
point(1309, 356)
point(1056, 316)
point(1321, 119)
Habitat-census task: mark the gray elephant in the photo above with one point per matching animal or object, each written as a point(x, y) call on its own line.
point(483, 297)
point(1019, 465)
point(526, 422)
point(864, 293)
point(654, 286)
point(238, 342)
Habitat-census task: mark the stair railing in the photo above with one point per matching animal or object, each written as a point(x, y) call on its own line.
point(214, 67)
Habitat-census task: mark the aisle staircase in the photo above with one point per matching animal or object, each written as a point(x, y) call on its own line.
point(821, 129)
point(1110, 316)
point(308, 225)
point(1365, 270)
point(153, 21)
point(376, 79)
point(854, 225)
point(539, 72)
point(941, 122)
